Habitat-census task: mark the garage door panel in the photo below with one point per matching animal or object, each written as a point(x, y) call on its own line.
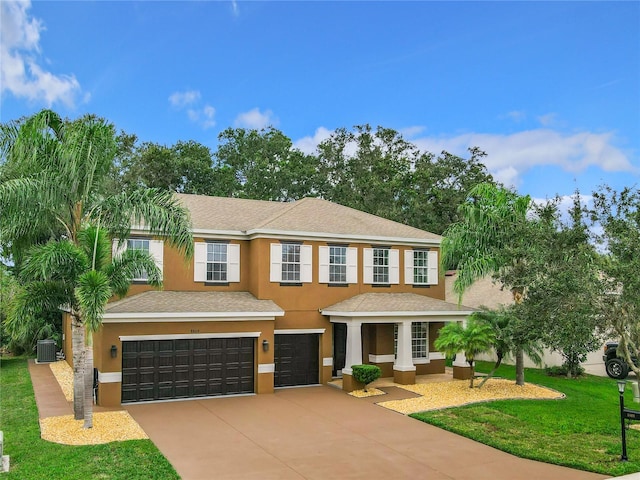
point(182, 368)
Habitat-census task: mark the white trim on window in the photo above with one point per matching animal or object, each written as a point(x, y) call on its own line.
point(394, 266)
point(408, 267)
point(367, 268)
point(275, 274)
point(352, 265)
point(233, 262)
point(156, 250)
point(433, 267)
point(306, 267)
point(200, 262)
point(323, 264)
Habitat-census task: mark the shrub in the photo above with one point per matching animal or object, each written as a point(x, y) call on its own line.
point(366, 374)
point(564, 371)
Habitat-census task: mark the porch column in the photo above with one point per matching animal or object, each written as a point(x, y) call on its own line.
point(353, 355)
point(404, 371)
point(461, 369)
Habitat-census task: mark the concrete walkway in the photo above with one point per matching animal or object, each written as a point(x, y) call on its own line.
point(308, 433)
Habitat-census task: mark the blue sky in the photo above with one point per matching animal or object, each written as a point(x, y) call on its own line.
point(550, 90)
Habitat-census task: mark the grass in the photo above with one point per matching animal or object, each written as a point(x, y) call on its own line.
point(581, 431)
point(34, 458)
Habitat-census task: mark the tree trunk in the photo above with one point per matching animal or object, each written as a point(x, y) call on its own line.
point(519, 366)
point(88, 385)
point(491, 373)
point(77, 345)
point(473, 373)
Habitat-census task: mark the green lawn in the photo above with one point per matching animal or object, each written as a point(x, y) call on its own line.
point(581, 431)
point(34, 458)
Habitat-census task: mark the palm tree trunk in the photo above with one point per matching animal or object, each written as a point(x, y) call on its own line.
point(77, 342)
point(519, 366)
point(493, 371)
point(88, 385)
point(473, 373)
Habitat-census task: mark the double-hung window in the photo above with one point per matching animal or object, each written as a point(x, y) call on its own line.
point(155, 248)
point(338, 264)
point(421, 267)
point(290, 263)
point(216, 262)
point(381, 266)
point(419, 341)
point(143, 246)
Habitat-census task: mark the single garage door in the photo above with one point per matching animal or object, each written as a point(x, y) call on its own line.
point(186, 368)
point(296, 359)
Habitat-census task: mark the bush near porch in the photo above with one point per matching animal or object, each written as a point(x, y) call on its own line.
point(33, 458)
point(581, 431)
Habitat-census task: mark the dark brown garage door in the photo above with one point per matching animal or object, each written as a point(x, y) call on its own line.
point(185, 368)
point(296, 359)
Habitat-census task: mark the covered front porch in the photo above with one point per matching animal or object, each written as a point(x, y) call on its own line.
point(395, 331)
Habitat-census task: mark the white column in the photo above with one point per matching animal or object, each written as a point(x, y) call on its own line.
point(404, 361)
point(354, 346)
point(461, 359)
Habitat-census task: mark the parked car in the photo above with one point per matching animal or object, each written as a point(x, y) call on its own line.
point(616, 366)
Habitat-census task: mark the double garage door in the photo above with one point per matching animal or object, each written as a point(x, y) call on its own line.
point(186, 368)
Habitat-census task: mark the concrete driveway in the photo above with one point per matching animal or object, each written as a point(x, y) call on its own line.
point(320, 433)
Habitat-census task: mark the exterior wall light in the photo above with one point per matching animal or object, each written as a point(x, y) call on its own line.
point(114, 351)
point(265, 345)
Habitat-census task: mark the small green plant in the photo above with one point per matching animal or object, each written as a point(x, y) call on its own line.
point(366, 374)
point(565, 371)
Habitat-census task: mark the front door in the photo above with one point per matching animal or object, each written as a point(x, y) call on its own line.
point(339, 348)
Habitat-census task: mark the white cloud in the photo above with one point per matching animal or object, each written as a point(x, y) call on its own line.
point(20, 71)
point(182, 99)
point(255, 119)
point(235, 9)
point(308, 144)
point(410, 132)
point(515, 116)
point(548, 120)
point(205, 116)
point(510, 156)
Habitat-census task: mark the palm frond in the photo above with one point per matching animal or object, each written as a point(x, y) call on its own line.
point(130, 265)
point(93, 293)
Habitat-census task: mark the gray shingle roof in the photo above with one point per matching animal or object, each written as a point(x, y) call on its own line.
point(393, 303)
point(309, 215)
point(156, 301)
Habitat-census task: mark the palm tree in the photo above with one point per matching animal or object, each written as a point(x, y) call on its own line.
point(474, 339)
point(490, 239)
point(503, 323)
point(52, 189)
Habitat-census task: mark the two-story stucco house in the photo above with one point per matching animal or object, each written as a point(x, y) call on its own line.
point(277, 295)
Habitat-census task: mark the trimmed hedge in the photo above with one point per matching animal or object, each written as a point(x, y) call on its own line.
point(366, 374)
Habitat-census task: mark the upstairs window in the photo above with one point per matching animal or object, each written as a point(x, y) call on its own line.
point(421, 267)
point(155, 248)
point(290, 263)
point(338, 264)
point(142, 245)
point(381, 266)
point(216, 262)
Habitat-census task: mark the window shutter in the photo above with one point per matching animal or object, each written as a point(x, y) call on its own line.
point(408, 267)
point(367, 270)
point(352, 265)
point(117, 250)
point(200, 262)
point(394, 266)
point(233, 259)
point(306, 268)
point(276, 263)
point(323, 264)
point(432, 267)
point(156, 250)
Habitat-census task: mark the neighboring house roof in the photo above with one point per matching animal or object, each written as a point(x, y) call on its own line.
point(396, 304)
point(307, 217)
point(484, 292)
point(194, 304)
